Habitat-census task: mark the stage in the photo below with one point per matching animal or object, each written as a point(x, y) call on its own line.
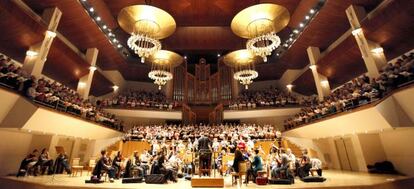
point(335, 179)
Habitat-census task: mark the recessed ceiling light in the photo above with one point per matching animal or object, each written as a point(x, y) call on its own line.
point(114, 40)
point(91, 9)
point(312, 11)
point(185, 57)
point(307, 17)
point(98, 18)
point(218, 55)
point(286, 45)
point(119, 46)
point(295, 31)
point(290, 39)
point(104, 26)
point(301, 25)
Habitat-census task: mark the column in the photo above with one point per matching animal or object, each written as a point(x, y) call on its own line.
point(372, 53)
point(85, 82)
point(37, 54)
point(321, 82)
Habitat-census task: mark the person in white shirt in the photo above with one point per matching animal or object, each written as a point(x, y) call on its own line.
point(316, 165)
point(215, 145)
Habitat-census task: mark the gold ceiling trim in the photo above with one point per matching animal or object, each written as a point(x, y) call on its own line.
point(275, 17)
point(132, 18)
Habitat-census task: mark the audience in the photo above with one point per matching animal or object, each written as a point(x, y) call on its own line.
point(358, 92)
point(52, 94)
point(271, 97)
point(191, 132)
point(139, 99)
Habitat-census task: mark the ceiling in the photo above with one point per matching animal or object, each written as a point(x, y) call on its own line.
point(203, 29)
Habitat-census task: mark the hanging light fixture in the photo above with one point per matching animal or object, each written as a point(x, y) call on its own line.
point(259, 24)
point(146, 24)
point(162, 62)
point(243, 64)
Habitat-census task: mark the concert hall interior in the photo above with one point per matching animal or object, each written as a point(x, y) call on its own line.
point(207, 93)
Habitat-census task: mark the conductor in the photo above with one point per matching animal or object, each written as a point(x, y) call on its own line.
point(204, 149)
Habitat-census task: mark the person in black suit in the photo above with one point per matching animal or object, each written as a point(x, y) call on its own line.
point(104, 165)
point(62, 164)
point(204, 149)
point(168, 173)
point(25, 164)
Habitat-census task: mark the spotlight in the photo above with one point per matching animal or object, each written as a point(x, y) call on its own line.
point(31, 53)
point(185, 57)
point(307, 17)
point(357, 31)
point(50, 34)
point(290, 39)
point(301, 25)
point(119, 45)
point(114, 40)
point(286, 45)
point(98, 18)
point(312, 11)
point(104, 27)
point(110, 34)
point(289, 86)
point(296, 31)
point(312, 67)
point(115, 87)
point(91, 9)
point(377, 50)
point(93, 68)
point(218, 55)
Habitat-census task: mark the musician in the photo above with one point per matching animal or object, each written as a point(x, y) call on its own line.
point(283, 164)
point(204, 147)
point(29, 161)
point(256, 165)
point(45, 162)
point(116, 163)
point(104, 165)
point(62, 163)
point(304, 166)
point(168, 173)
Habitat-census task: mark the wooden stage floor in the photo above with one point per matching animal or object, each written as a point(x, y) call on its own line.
point(335, 179)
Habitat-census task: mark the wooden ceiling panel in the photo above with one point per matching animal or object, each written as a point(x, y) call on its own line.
point(100, 85)
point(200, 12)
point(330, 23)
point(19, 31)
point(392, 27)
point(305, 84)
point(64, 65)
point(342, 63)
point(213, 38)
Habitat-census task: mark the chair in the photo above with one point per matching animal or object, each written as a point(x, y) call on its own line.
point(76, 168)
point(242, 171)
point(91, 165)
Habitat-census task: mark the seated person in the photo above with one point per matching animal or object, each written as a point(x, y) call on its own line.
point(134, 163)
point(28, 162)
point(304, 165)
point(283, 163)
point(316, 165)
point(104, 165)
point(116, 163)
point(45, 162)
point(168, 173)
point(238, 157)
point(145, 159)
point(256, 165)
point(62, 164)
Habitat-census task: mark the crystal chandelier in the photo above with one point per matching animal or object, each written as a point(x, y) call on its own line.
point(146, 24)
point(160, 77)
point(259, 24)
point(245, 77)
point(162, 63)
point(243, 64)
point(263, 45)
point(143, 45)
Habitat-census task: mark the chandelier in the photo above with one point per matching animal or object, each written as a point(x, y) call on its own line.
point(162, 63)
point(243, 64)
point(259, 24)
point(146, 24)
